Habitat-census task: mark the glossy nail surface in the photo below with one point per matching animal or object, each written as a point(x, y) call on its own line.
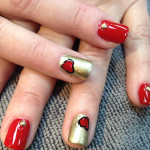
point(17, 134)
point(79, 130)
point(75, 66)
point(144, 94)
point(112, 32)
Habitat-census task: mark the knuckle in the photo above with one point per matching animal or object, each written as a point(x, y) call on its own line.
point(91, 93)
point(79, 14)
point(144, 63)
point(22, 5)
point(140, 32)
point(32, 97)
point(35, 51)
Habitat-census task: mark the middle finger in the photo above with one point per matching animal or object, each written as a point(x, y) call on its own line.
point(75, 18)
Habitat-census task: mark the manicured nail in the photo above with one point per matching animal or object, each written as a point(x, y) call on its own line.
point(17, 134)
point(79, 130)
point(144, 94)
point(78, 67)
point(112, 32)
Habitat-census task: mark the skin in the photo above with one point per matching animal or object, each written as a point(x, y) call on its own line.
point(82, 100)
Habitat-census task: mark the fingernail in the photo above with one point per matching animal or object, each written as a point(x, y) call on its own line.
point(75, 66)
point(112, 32)
point(144, 94)
point(17, 134)
point(79, 130)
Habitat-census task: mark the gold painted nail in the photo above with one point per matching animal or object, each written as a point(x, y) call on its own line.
point(78, 67)
point(79, 130)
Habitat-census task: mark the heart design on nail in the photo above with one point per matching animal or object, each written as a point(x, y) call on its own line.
point(84, 122)
point(68, 66)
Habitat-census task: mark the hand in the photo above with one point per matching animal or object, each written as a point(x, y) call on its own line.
point(75, 18)
point(69, 120)
point(35, 52)
point(85, 97)
point(34, 59)
point(32, 92)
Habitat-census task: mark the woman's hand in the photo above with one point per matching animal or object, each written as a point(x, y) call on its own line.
point(31, 95)
point(85, 97)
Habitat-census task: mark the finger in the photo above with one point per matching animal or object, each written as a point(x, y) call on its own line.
point(40, 54)
point(6, 70)
point(83, 107)
point(30, 97)
point(137, 54)
point(28, 101)
point(83, 21)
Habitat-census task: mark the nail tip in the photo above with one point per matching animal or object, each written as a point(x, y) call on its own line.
point(144, 94)
point(78, 143)
point(79, 130)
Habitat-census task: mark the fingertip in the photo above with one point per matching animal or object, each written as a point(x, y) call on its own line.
point(73, 134)
point(133, 94)
point(113, 32)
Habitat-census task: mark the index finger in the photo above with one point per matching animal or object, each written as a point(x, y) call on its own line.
point(72, 17)
point(28, 49)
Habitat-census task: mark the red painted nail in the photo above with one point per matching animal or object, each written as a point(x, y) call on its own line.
point(112, 32)
point(144, 94)
point(17, 134)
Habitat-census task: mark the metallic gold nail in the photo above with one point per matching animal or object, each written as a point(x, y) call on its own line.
point(78, 67)
point(79, 130)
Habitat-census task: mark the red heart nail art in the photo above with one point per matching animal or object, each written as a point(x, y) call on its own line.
point(144, 94)
point(84, 122)
point(68, 66)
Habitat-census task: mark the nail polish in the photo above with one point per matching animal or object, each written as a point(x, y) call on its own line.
point(79, 130)
point(17, 134)
point(113, 32)
point(75, 66)
point(144, 94)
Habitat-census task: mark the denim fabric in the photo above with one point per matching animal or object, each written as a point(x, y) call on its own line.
point(120, 125)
